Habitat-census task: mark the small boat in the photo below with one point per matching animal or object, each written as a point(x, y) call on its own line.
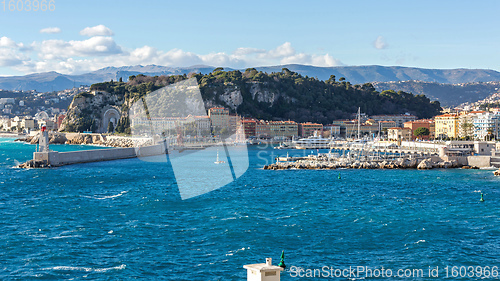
point(219, 161)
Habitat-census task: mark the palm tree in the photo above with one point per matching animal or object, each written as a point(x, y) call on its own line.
point(490, 133)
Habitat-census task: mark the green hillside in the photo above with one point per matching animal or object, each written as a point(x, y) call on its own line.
point(277, 96)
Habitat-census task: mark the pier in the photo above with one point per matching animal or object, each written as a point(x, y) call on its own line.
point(44, 157)
point(56, 159)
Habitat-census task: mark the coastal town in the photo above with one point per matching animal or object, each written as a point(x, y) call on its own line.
point(457, 138)
point(249, 140)
point(483, 125)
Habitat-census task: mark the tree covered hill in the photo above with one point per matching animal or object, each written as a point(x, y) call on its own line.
point(284, 95)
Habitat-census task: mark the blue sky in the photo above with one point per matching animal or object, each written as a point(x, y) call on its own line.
point(88, 35)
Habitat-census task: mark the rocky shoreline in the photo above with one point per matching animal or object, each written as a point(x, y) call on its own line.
point(90, 139)
point(424, 164)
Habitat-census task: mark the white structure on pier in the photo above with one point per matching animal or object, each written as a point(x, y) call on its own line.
point(263, 271)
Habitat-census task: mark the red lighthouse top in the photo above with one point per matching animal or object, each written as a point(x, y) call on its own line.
point(44, 128)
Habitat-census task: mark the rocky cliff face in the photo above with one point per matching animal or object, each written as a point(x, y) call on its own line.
point(93, 112)
point(232, 97)
point(261, 93)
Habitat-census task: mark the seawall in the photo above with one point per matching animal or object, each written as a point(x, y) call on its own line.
point(56, 159)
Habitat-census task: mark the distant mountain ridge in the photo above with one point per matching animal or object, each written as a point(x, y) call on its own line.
point(376, 73)
point(52, 81)
point(446, 94)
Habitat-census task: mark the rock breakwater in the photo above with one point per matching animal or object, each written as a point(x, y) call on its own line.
point(314, 164)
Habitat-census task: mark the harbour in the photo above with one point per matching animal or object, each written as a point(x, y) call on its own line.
point(124, 219)
point(363, 154)
point(257, 141)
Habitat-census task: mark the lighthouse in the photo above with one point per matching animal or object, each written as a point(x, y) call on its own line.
point(43, 141)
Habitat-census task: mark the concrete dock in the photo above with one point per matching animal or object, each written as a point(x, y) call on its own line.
point(57, 159)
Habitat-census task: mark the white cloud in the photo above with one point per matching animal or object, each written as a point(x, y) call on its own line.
point(10, 58)
point(326, 60)
point(380, 43)
point(94, 46)
point(50, 30)
point(316, 60)
point(281, 51)
point(79, 56)
point(12, 53)
point(6, 42)
point(179, 57)
point(98, 30)
point(247, 51)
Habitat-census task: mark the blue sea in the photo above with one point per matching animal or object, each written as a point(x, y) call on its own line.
point(124, 220)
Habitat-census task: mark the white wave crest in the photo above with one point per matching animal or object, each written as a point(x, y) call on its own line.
point(107, 197)
point(85, 269)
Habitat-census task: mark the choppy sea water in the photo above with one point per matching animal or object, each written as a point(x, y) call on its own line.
point(124, 219)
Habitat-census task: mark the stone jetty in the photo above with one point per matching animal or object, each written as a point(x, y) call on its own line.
point(92, 139)
point(318, 162)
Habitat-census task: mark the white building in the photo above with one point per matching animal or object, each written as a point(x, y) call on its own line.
point(398, 133)
point(466, 123)
point(5, 124)
point(7, 101)
point(486, 126)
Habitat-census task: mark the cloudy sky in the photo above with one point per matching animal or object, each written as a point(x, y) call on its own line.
point(82, 36)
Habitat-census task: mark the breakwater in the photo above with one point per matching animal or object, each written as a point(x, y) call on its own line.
point(56, 159)
point(325, 162)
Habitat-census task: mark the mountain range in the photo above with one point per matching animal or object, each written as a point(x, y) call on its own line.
point(53, 81)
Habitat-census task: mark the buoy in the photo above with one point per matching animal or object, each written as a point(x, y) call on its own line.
point(340, 176)
point(282, 261)
point(482, 199)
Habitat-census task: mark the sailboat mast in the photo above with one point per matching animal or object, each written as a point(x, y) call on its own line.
point(359, 120)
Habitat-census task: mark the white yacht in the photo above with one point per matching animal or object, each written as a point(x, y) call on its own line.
point(313, 142)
